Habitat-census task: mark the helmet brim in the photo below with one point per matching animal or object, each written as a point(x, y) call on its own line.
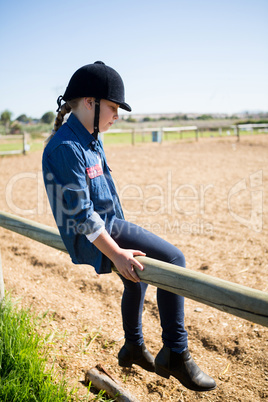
point(125, 106)
point(122, 105)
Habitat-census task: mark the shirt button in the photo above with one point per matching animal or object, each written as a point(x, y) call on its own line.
point(93, 142)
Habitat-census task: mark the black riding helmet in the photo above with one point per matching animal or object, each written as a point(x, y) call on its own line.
point(99, 81)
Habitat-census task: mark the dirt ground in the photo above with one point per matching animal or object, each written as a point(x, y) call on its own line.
point(209, 198)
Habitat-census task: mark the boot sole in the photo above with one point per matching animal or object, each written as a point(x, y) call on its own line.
point(165, 373)
point(129, 365)
point(162, 372)
point(123, 364)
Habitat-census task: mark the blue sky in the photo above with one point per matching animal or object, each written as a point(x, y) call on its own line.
point(174, 56)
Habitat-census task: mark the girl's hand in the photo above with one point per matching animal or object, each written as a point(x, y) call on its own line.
point(125, 262)
point(122, 258)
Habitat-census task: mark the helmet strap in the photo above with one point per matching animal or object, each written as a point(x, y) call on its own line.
point(96, 118)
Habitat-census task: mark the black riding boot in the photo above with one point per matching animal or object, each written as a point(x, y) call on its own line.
point(183, 367)
point(135, 354)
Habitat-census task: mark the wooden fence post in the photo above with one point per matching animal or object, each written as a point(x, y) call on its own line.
point(237, 133)
point(232, 298)
point(24, 141)
point(161, 135)
point(133, 136)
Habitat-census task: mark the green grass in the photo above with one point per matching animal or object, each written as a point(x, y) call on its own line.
point(117, 138)
point(24, 376)
point(126, 138)
point(37, 146)
point(23, 373)
point(11, 146)
point(173, 136)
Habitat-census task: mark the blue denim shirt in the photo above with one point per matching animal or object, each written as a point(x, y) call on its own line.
point(81, 193)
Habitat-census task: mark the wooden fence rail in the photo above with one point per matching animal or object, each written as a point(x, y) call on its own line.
point(232, 298)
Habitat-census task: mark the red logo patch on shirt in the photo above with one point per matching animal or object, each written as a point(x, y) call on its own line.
point(94, 171)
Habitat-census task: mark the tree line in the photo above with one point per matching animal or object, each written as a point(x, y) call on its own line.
point(15, 125)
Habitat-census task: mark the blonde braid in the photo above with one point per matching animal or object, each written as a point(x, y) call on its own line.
point(65, 108)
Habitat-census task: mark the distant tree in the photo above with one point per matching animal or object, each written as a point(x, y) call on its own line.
point(177, 117)
point(233, 117)
point(205, 117)
point(253, 121)
point(6, 116)
point(48, 118)
point(6, 119)
point(15, 128)
point(23, 118)
point(147, 119)
point(131, 120)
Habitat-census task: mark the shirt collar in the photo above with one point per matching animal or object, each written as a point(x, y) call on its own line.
point(85, 138)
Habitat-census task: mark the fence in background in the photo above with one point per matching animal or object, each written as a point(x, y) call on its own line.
point(25, 146)
point(164, 133)
point(148, 134)
point(248, 127)
point(157, 134)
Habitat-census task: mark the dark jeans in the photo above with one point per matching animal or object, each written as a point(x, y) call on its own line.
point(171, 306)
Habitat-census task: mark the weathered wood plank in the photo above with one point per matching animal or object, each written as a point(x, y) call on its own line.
point(232, 298)
point(242, 301)
point(101, 381)
point(34, 230)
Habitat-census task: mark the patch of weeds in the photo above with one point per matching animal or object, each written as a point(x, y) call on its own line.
point(89, 338)
point(23, 372)
point(108, 344)
point(101, 396)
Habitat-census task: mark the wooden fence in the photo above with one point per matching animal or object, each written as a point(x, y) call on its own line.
point(23, 137)
point(158, 134)
point(232, 298)
point(248, 127)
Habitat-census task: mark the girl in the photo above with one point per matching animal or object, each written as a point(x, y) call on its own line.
point(90, 219)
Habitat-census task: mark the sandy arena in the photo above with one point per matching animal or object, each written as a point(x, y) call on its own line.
point(209, 198)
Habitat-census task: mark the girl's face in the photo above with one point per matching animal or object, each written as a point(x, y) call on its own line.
point(108, 114)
